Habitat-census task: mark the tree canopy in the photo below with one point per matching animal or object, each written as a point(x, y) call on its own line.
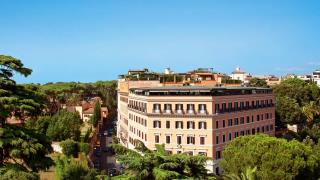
point(159, 164)
point(64, 125)
point(291, 96)
point(21, 150)
point(274, 158)
point(257, 82)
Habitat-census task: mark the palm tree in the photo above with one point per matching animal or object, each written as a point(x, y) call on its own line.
point(249, 174)
point(159, 165)
point(311, 110)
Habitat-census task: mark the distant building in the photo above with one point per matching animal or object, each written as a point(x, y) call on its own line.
point(86, 109)
point(240, 75)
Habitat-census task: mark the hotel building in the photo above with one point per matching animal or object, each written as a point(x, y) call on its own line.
point(192, 119)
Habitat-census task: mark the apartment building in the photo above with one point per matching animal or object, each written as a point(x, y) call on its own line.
point(199, 120)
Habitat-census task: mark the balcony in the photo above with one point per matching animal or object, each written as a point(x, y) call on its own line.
point(190, 111)
point(168, 111)
point(179, 111)
point(202, 111)
point(157, 111)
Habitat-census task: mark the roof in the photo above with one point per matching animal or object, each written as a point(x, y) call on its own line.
point(195, 88)
point(88, 111)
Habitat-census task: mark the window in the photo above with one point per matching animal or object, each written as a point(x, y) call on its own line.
point(252, 119)
point(190, 140)
point(267, 128)
point(224, 107)
point(230, 122)
point(247, 104)
point(202, 125)
point(190, 108)
point(156, 124)
point(236, 134)
point(270, 115)
point(145, 136)
point(242, 133)
point(253, 131)
point(262, 128)
point(179, 125)
point(167, 108)
point(202, 140)
point(267, 115)
point(190, 125)
point(241, 120)
point(217, 108)
point(202, 108)
point(156, 139)
point(241, 105)
point(258, 117)
point(179, 139)
point(236, 121)
point(168, 124)
point(156, 108)
point(252, 104)
point(168, 139)
point(230, 136)
point(218, 154)
point(179, 152)
point(257, 103)
point(217, 139)
point(179, 108)
point(258, 129)
point(217, 124)
point(224, 123)
point(248, 119)
point(271, 127)
point(230, 106)
point(236, 106)
point(202, 153)
point(224, 138)
point(262, 117)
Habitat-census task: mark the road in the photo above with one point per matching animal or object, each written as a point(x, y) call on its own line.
point(106, 159)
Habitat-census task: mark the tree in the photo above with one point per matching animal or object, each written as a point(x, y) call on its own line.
point(96, 114)
point(297, 102)
point(256, 82)
point(64, 125)
point(288, 110)
point(311, 110)
point(71, 169)
point(21, 149)
point(70, 148)
point(274, 158)
point(159, 164)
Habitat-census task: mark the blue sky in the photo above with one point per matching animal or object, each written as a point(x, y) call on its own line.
point(89, 40)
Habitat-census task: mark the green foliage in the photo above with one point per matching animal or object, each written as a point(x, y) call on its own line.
point(159, 164)
point(86, 137)
point(291, 96)
point(274, 158)
point(40, 125)
point(288, 110)
point(70, 148)
point(64, 125)
point(231, 81)
point(84, 147)
point(72, 93)
point(256, 82)
point(21, 149)
point(96, 114)
point(12, 171)
point(70, 169)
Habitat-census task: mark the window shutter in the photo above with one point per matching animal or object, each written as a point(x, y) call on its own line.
point(205, 125)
